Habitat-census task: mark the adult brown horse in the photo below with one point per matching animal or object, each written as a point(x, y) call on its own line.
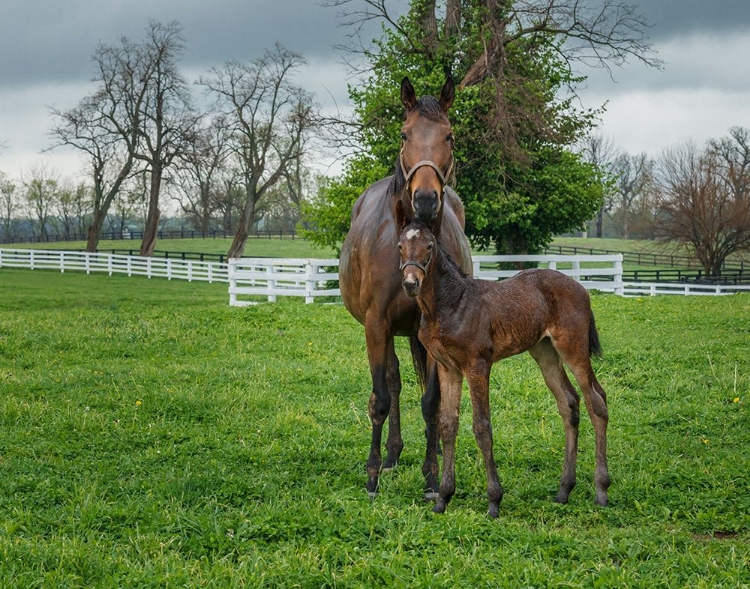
point(469, 324)
point(371, 283)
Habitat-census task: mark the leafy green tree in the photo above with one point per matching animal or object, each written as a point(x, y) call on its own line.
point(514, 120)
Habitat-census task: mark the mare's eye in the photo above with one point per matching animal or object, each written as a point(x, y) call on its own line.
point(403, 136)
point(429, 246)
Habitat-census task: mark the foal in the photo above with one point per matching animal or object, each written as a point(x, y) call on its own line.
point(469, 324)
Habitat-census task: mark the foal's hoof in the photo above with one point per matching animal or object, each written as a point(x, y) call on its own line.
point(372, 494)
point(494, 510)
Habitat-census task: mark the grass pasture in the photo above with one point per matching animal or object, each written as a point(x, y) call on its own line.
point(152, 436)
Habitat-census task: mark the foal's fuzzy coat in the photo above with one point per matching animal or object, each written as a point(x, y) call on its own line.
point(469, 324)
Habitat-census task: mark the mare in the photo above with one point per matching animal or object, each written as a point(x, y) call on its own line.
point(370, 282)
point(468, 324)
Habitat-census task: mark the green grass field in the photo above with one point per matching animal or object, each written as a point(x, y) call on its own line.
point(152, 436)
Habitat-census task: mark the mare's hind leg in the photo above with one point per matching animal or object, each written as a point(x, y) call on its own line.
point(394, 444)
point(568, 403)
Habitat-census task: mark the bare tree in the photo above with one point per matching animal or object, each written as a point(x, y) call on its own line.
point(8, 203)
point(634, 178)
point(41, 188)
point(699, 206)
point(733, 153)
point(199, 174)
point(269, 118)
point(71, 204)
point(599, 150)
point(167, 117)
point(105, 125)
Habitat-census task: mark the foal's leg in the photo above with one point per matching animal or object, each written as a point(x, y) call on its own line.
point(378, 341)
point(596, 404)
point(478, 378)
point(450, 400)
point(568, 404)
point(579, 362)
point(394, 444)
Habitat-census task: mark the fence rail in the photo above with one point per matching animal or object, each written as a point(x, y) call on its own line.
point(138, 235)
point(250, 278)
point(115, 264)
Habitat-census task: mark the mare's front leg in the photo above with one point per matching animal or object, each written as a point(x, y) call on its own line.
point(478, 379)
point(378, 340)
point(450, 401)
point(395, 443)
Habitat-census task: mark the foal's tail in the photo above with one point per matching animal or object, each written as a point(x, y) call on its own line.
point(419, 358)
point(595, 347)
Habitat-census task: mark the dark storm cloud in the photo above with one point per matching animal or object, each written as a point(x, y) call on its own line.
point(670, 18)
point(52, 41)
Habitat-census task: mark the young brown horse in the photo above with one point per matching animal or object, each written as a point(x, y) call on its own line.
point(371, 285)
point(468, 324)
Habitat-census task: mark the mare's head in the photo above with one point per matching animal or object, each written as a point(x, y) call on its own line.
point(426, 159)
point(416, 245)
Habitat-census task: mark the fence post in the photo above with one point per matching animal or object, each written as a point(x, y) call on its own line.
point(62, 262)
point(232, 276)
point(271, 283)
point(619, 286)
point(109, 264)
point(309, 283)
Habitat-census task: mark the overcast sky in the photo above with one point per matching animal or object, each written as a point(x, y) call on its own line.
point(46, 45)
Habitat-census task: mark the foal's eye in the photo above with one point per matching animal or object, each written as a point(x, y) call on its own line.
point(450, 138)
point(399, 246)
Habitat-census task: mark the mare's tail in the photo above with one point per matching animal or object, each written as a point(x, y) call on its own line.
point(419, 358)
point(595, 347)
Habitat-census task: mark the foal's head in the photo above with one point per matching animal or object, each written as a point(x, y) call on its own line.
point(417, 246)
point(426, 158)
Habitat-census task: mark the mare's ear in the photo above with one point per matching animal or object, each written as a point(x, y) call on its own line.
point(401, 220)
point(447, 94)
point(408, 96)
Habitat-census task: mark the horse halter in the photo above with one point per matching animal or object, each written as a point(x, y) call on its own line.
point(421, 164)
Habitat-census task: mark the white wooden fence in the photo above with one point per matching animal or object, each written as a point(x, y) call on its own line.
point(114, 264)
point(311, 278)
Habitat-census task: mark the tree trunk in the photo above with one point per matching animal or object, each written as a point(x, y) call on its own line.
point(151, 231)
point(600, 223)
point(243, 230)
point(95, 231)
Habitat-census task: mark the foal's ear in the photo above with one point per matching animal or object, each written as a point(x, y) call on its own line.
point(408, 96)
point(447, 94)
point(401, 220)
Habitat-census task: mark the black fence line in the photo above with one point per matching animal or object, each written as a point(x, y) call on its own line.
point(641, 258)
point(164, 234)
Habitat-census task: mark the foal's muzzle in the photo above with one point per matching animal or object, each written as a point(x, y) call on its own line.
point(412, 281)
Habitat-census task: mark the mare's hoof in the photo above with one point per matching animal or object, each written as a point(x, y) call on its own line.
point(494, 510)
point(439, 506)
point(601, 501)
point(431, 496)
point(372, 494)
